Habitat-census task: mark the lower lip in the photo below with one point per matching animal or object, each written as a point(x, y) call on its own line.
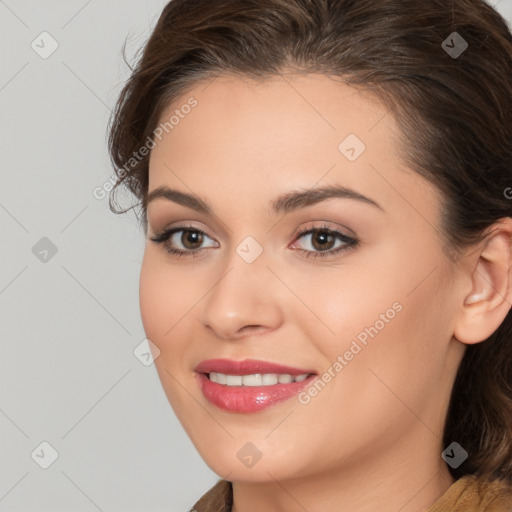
point(247, 399)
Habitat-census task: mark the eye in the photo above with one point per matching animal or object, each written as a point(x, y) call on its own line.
point(190, 239)
point(322, 239)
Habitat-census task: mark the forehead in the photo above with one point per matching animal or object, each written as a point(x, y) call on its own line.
point(293, 107)
point(247, 140)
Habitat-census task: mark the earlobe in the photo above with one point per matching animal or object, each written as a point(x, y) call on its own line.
point(486, 305)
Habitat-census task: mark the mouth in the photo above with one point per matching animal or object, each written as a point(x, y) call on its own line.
point(250, 386)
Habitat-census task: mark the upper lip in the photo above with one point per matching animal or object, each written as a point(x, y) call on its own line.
point(247, 367)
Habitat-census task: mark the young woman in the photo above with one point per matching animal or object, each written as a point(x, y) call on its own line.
point(325, 187)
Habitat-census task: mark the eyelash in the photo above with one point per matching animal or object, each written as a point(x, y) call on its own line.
point(350, 242)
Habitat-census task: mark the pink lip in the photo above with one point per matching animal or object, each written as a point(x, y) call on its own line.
point(247, 399)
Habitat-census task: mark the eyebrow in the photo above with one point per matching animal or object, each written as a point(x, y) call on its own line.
point(285, 203)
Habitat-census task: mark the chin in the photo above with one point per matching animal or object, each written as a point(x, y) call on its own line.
point(245, 461)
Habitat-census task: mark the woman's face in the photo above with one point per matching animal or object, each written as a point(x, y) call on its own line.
point(365, 303)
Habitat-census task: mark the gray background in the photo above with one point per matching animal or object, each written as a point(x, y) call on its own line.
point(69, 324)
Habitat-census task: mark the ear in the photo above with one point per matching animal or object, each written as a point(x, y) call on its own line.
point(485, 307)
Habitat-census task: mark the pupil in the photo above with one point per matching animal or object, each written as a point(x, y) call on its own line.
point(192, 237)
point(323, 237)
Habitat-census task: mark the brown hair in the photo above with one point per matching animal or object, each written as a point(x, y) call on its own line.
point(454, 111)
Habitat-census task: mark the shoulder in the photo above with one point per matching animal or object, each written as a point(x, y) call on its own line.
point(217, 499)
point(473, 494)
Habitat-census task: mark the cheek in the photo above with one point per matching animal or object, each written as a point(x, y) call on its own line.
point(382, 324)
point(335, 305)
point(151, 300)
point(392, 356)
point(164, 299)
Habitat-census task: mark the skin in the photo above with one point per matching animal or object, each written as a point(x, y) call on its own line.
point(372, 438)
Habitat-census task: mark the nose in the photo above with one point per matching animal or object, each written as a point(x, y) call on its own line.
point(244, 300)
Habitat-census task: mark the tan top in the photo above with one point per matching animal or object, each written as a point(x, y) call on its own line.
point(468, 494)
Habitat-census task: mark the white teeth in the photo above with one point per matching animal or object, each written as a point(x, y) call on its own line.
point(234, 380)
point(269, 379)
point(218, 377)
point(255, 379)
point(252, 380)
